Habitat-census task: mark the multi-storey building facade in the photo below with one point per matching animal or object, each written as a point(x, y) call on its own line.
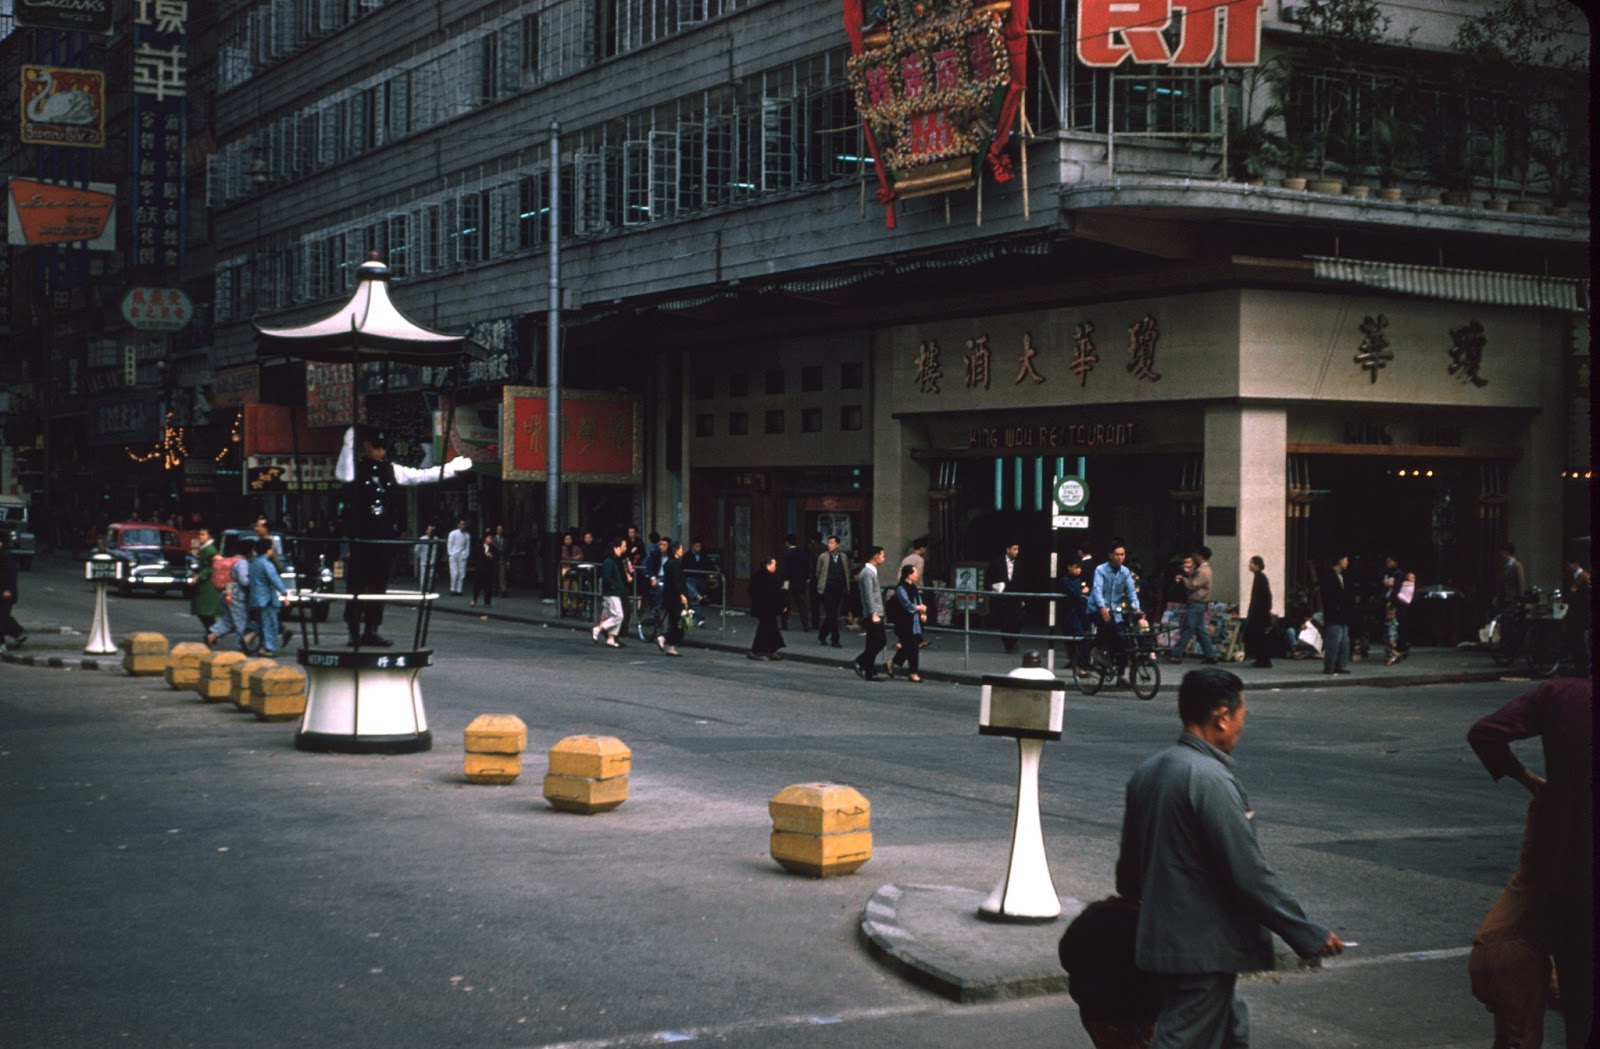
point(1269, 370)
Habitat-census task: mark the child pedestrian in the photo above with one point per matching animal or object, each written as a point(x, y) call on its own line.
point(1392, 651)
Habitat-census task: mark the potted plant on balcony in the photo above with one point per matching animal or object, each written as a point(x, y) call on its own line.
point(1394, 138)
point(1321, 83)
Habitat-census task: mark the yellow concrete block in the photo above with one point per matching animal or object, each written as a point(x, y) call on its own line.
point(216, 675)
point(591, 757)
point(819, 808)
point(144, 654)
point(239, 694)
point(493, 768)
point(583, 794)
point(183, 678)
point(496, 734)
point(145, 643)
point(821, 855)
point(187, 654)
point(279, 707)
point(278, 681)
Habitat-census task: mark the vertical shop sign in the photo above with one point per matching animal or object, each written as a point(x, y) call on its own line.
point(160, 86)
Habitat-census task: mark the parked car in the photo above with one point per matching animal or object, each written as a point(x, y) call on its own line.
point(153, 557)
point(297, 569)
point(14, 518)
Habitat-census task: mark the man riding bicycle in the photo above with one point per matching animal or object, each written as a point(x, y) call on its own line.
point(1113, 599)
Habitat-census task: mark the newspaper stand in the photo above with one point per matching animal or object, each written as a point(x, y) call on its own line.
point(1029, 705)
point(102, 570)
point(366, 700)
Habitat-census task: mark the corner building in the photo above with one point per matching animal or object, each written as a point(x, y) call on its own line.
point(1267, 370)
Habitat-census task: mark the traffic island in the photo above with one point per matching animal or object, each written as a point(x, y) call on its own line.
point(932, 935)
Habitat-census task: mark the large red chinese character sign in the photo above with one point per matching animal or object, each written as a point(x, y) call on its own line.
point(1110, 31)
point(938, 84)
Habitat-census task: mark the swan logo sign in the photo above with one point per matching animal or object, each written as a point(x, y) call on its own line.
point(63, 107)
point(50, 213)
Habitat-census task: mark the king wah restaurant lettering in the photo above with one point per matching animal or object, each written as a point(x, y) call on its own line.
point(1067, 435)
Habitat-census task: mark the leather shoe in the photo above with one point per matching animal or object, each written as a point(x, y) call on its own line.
point(375, 641)
point(860, 673)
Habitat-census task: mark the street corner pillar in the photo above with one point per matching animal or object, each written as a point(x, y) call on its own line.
point(1246, 485)
point(588, 774)
point(494, 744)
point(820, 829)
point(144, 654)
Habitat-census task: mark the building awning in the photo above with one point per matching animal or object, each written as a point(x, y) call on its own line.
point(1458, 285)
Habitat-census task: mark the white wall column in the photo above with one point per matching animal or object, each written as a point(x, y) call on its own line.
point(1246, 467)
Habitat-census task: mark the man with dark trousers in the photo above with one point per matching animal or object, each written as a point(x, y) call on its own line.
point(833, 584)
point(9, 627)
point(374, 509)
point(1207, 897)
point(1336, 614)
point(795, 570)
point(1005, 578)
point(873, 626)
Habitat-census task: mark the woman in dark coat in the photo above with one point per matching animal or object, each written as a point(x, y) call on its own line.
point(907, 613)
point(1258, 617)
point(485, 557)
point(674, 600)
point(766, 599)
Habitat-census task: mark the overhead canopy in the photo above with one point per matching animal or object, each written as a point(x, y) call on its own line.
point(368, 327)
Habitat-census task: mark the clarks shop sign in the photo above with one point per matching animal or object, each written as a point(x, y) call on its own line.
point(84, 16)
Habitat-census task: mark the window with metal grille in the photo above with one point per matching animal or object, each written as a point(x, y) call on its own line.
point(400, 244)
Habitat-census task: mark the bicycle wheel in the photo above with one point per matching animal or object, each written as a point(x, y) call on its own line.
point(1146, 678)
point(1503, 649)
point(1544, 648)
point(1094, 675)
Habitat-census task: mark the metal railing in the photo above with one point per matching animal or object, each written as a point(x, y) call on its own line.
point(580, 594)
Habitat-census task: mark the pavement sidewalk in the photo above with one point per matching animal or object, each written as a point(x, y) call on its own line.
point(950, 657)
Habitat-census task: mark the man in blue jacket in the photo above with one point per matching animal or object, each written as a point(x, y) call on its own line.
point(1207, 896)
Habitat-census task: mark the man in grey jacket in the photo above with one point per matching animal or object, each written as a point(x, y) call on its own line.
point(866, 664)
point(1207, 896)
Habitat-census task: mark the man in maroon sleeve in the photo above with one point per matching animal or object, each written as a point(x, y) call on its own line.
point(1550, 900)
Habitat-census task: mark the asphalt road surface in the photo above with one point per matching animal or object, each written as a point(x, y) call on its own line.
point(177, 874)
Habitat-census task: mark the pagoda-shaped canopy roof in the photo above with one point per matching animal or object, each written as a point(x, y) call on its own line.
point(369, 326)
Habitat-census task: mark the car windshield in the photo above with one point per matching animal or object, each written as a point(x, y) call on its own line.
point(141, 537)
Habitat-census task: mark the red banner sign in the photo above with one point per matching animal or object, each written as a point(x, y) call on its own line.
point(600, 438)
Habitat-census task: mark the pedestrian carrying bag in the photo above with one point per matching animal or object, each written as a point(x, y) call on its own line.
point(222, 571)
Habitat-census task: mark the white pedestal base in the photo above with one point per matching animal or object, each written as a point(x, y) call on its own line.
point(1026, 893)
point(364, 702)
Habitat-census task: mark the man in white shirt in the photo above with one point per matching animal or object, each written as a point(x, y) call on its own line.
point(457, 546)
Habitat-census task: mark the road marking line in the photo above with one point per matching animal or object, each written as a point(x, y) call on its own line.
point(688, 1034)
point(1388, 959)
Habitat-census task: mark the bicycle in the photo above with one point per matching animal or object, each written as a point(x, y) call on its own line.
point(649, 622)
point(1527, 631)
point(1134, 660)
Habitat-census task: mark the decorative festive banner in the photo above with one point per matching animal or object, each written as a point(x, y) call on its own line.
point(938, 84)
point(63, 107)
